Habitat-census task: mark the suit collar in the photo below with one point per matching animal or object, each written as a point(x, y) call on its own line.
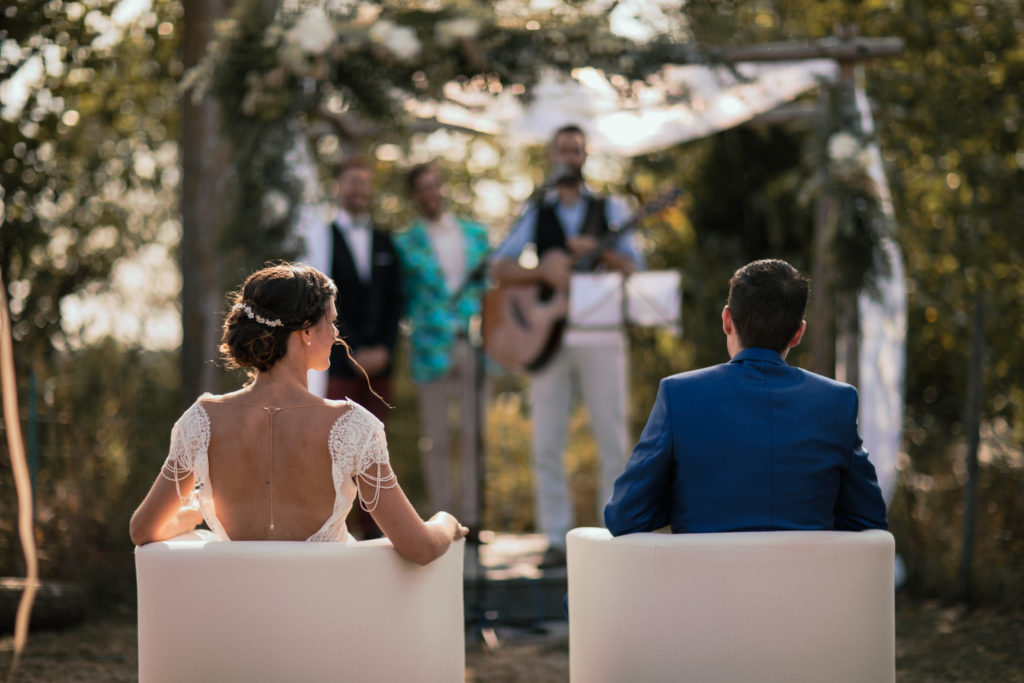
point(346, 221)
point(761, 355)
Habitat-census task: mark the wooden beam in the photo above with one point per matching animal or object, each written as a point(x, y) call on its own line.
point(853, 50)
point(804, 113)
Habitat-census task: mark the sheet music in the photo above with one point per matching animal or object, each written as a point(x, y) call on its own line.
point(607, 300)
point(595, 300)
point(653, 299)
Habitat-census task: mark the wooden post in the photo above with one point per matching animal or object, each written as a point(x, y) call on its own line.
point(846, 301)
point(821, 308)
point(972, 429)
point(203, 164)
point(842, 48)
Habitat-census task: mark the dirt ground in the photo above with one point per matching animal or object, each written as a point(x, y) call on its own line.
point(934, 643)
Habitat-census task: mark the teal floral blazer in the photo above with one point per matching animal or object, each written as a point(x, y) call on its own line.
point(435, 319)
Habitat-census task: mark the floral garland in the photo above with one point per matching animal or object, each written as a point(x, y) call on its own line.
point(275, 69)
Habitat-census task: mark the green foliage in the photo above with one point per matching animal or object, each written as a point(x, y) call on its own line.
point(949, 122)
point(927, 514)
point(89, 160)
point(88, 177)
point(743, 204)
point(88, 172)
point(953, 130)
point(105, 416)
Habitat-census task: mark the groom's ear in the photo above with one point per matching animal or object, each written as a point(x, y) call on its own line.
point(727, 321)
point(799, 334)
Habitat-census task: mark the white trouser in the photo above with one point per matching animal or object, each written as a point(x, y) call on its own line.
point(436, 420)
point(599, 369)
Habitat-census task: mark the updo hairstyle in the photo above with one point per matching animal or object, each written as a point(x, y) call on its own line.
point(271, 304)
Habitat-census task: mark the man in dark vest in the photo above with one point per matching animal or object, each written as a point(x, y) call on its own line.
point(364, 265)
point(571, 218)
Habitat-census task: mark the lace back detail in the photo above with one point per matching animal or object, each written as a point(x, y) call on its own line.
point(189, 437)
point(360, 450)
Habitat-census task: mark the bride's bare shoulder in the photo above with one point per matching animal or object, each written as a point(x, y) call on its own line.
point(347, 409)
point(207, 397)
point(341, 405)
point(353, 413)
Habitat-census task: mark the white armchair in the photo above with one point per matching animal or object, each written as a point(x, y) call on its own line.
point(294, 611)
point(785, 606)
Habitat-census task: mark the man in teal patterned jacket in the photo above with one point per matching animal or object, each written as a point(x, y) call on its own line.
point(437, 254)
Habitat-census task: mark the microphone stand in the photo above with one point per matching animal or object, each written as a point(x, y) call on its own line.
point(482, 623)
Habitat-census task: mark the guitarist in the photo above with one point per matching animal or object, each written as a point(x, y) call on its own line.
point(569, 220)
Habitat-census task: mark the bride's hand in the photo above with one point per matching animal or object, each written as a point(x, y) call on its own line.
point(188, 517)
point(456, 529)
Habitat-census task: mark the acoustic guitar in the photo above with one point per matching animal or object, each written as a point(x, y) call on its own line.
point(523, 324)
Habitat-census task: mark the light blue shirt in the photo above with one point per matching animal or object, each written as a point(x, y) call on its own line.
point(571, 217)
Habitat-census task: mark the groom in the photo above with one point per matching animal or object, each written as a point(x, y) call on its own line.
point(752, 444)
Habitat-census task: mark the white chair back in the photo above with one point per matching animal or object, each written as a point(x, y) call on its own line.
point(295, 611)
point(785, 606)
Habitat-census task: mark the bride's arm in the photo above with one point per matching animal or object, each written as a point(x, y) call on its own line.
point(415, 540)
point(161, 514)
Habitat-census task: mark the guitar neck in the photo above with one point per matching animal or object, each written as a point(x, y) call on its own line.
point(656, 205)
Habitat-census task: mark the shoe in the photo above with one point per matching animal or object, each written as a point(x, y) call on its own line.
point(554, 558)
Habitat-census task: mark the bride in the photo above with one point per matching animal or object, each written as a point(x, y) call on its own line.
point(272, 461)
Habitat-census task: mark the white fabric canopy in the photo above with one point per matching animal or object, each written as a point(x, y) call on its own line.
point(683, 103)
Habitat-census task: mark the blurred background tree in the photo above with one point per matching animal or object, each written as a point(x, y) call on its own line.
point(90, 174)
point(949, 117)
point(88, 199)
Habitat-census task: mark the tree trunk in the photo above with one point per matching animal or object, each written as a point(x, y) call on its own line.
point(203, 164)
point(972, 428)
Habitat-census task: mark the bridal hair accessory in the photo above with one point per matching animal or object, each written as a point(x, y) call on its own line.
point(252, 315)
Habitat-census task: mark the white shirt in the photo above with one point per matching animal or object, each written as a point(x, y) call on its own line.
point(358, 237)
point(449, 248)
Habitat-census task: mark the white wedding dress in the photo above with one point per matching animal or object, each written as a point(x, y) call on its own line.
point(356, 443)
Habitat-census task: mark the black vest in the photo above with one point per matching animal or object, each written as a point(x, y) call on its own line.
point(353, 293)
point(551, 235)
point(368, 312)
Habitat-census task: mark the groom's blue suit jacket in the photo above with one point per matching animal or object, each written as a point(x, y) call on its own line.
point(752, 444)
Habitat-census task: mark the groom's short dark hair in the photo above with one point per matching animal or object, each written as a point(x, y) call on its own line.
point(767, 300)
